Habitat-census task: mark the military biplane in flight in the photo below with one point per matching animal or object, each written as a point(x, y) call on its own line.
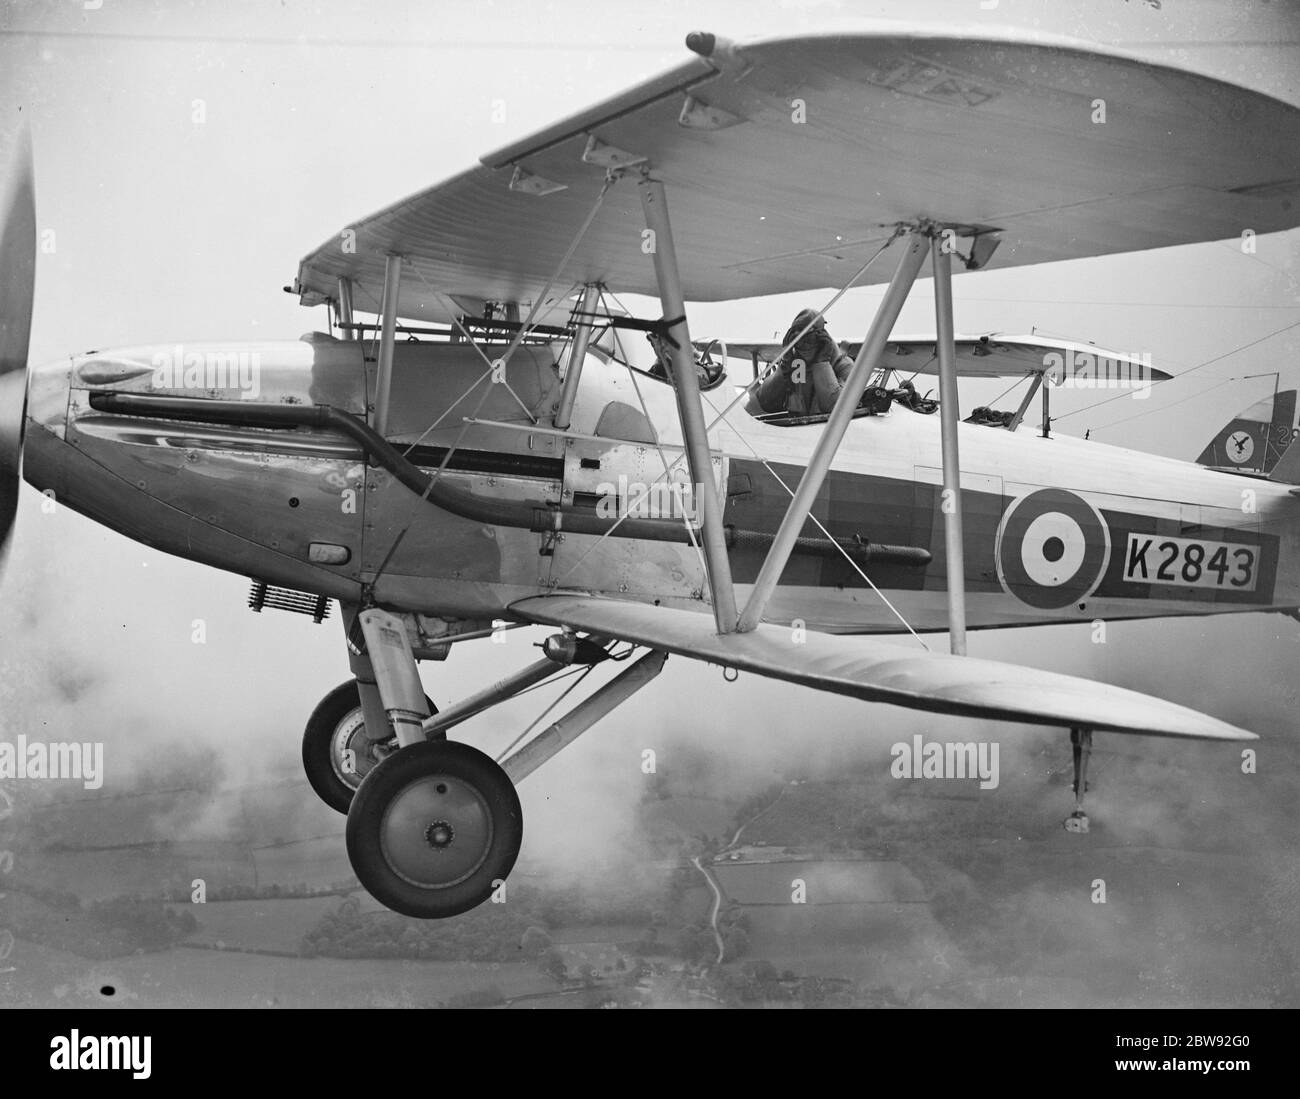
point(485, 453)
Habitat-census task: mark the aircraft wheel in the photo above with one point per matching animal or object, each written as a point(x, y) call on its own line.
point(433, 827)
point(336, 752)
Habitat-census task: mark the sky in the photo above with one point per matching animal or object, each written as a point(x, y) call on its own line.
point(188, 154)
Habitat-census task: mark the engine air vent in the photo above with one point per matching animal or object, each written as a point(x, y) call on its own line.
point(286, 599)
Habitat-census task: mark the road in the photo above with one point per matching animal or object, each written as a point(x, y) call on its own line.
point(736, 838)
point(717, 905)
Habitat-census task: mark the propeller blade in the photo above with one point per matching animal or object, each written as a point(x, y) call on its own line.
point(17, 287)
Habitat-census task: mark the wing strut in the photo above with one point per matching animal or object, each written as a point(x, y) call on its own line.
point(387, 333)
point(690, 410)
point(1024, 405)
point(914, 252)
point(577, 353)
point(343, 309)
point(949, 416)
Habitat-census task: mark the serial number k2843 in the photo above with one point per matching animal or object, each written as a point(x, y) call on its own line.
point(1190, 562)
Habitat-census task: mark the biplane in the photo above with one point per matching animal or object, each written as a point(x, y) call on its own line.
point(477, 457)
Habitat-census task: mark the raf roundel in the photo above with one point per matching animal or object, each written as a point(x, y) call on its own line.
point(1052, 548)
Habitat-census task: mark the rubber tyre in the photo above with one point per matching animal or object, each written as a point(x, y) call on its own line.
point(324, 771)
point(408, 815)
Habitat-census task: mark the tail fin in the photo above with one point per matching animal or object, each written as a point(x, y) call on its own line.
point(1255, 440)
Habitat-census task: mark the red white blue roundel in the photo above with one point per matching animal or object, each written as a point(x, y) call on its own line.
point(1052, 548)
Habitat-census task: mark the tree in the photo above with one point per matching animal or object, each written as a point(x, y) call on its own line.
point(535, 942)
point(552, 964)
point(735, 942)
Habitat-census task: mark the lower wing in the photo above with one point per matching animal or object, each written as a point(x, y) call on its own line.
point(878, 671)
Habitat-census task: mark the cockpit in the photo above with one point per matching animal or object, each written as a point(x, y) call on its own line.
point(783, 395)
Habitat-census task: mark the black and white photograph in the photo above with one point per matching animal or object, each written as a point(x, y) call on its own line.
point(707, 505)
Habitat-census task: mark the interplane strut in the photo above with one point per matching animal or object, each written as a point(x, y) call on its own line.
point(690, 409)
point(949, 416)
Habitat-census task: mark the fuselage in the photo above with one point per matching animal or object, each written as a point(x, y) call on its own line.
point(1056, 529)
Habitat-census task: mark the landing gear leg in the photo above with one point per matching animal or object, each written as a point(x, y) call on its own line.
point(372, 707)
point(396, 675)
point(435, 827)
point(348, 732)
point(1081, 743)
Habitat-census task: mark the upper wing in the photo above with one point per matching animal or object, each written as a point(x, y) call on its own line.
point(996, 356)
point(878, 671)
point(788, 163)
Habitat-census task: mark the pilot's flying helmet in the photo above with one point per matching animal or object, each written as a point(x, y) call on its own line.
point(810, 340)
point(801, 320)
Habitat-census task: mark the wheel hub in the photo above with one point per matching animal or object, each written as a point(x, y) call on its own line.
point(350, 737)
point(436, 831)
point(439, 835)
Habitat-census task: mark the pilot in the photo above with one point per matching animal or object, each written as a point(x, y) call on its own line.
point(907, 395)
point(808, 379)
point(709, 376)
